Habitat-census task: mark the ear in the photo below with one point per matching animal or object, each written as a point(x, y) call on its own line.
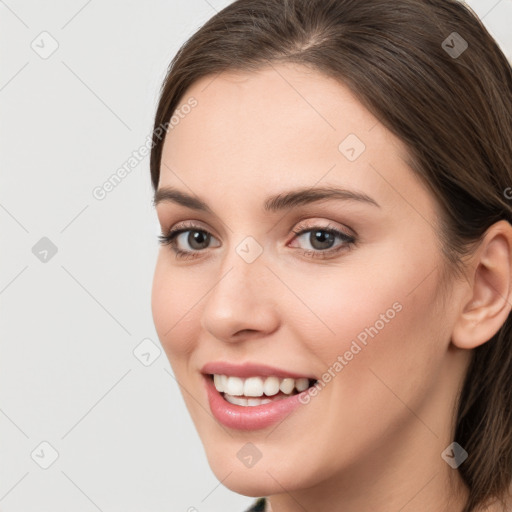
point(487, 303)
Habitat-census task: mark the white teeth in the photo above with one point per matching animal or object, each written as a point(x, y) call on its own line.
point(217, 380)
point(248, 402)
point(302, 384)
point(253, 386)
point(235, 386)
point(287, 385)
point(258, 386)
point(271, 386)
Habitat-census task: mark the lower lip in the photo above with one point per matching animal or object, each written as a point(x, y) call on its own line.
point(249, 417)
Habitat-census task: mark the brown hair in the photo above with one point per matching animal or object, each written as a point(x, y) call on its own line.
point(453, 111)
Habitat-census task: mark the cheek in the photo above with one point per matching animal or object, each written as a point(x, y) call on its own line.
point(393, 309)
point(173, 298)
point(384, 318)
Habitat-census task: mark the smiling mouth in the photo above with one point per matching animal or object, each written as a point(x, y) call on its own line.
point(255, 391)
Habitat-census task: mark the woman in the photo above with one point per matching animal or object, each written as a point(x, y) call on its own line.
point(333, 288)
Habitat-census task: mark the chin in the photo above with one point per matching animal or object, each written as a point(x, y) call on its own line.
point(254, 486)
point(264, 478)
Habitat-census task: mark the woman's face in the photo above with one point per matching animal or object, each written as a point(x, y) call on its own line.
point(368, 314)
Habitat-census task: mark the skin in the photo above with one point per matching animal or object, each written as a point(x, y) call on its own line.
point(373, 436)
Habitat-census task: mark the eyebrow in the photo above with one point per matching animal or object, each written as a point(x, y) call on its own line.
point(275, 203)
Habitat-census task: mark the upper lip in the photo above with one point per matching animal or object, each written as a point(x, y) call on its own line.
point(249, 370)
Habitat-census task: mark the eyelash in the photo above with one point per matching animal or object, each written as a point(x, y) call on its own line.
point(349, 240)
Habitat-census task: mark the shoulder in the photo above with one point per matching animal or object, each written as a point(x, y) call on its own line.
point(258, 506)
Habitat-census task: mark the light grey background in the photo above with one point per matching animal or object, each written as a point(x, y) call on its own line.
point(69, 326)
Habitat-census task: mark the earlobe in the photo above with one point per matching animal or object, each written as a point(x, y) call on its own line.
point(490, 293)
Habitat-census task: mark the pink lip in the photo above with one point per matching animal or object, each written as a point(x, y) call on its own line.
point(250, 417)
point(249, 370)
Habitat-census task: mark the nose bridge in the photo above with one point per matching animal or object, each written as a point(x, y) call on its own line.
point(240, 298)
point(245, 265)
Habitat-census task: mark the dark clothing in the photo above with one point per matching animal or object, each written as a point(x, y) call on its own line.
point(258, 506)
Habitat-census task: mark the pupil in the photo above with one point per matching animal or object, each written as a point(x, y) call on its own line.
point(324, 238)
point(195, 237)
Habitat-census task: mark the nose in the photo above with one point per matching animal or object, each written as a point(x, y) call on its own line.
point(241, 303)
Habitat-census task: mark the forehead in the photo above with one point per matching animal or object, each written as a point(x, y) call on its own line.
point(280, 96)
point(283, 125)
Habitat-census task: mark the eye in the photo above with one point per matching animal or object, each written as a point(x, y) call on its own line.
point(187, 233)
point(321, 239)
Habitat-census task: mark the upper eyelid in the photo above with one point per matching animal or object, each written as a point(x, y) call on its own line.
point(299, 229)
point(299, 225)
